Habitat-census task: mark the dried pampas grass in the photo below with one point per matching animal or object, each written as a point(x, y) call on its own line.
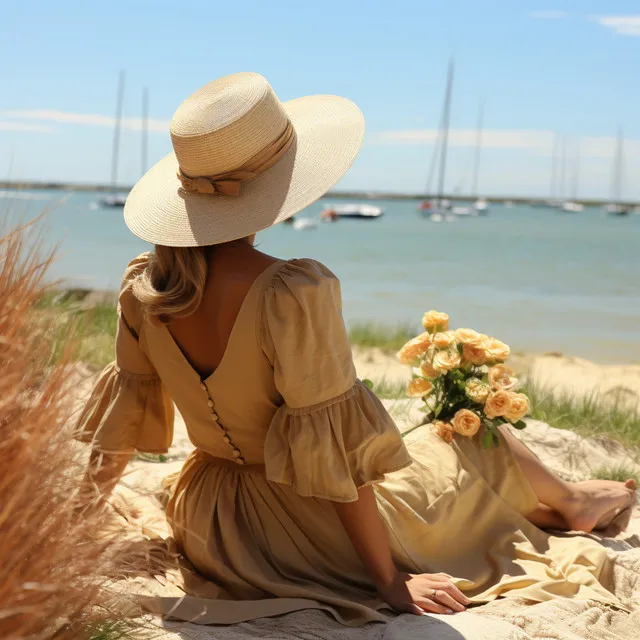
point(52, 562)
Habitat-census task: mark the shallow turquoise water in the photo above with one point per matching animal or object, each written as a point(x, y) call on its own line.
point(538, 279)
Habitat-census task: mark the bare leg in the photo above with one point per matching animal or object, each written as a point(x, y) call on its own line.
point(545, 517)
point(583, 506)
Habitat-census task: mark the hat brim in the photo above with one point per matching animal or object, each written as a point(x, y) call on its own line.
point(328, 135)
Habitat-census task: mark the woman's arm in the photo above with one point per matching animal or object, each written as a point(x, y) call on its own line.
point(103, 472)
point(403, 591)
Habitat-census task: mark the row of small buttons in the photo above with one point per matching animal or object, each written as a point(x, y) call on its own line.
point(225, 436)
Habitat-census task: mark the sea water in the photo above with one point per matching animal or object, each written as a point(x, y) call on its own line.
point(536, 278)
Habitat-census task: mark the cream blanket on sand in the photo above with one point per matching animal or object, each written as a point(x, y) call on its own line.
point(505, 619)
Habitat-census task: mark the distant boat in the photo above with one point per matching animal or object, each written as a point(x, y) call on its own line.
point(439, 207)
point(361, 211)
point(115, 199)
point(615, 207)
point(300, 224)
point(572, 206)
point(482, 206)
point(508, 204)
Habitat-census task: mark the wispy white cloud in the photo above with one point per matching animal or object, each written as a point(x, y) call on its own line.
point(622, 25)
point(86, 119)
point(491, 138)
point(7, 125)
point(549, 15)
point(538, 141)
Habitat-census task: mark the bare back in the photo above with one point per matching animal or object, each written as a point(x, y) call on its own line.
point(203, 336)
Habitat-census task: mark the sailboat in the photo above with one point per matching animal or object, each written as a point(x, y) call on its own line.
point(571, 206)
point(481, 206)
point(115, 199)
point(438, 209)
point(554, 187)
point(615, 207)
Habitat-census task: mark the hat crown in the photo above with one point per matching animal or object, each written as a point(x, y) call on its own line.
point(225, 123)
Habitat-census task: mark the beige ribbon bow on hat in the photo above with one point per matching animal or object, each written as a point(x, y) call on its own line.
point(228, 184)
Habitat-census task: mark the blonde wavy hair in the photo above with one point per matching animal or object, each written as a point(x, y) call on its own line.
point(172, 284)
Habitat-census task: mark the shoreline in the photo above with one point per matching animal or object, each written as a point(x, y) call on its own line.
point(28, 185)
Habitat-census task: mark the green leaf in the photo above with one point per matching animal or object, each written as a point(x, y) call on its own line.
point(486, 441)
point(521, 424)
point(367, 383)
point(496, 439)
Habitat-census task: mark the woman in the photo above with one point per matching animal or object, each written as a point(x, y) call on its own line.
point(301, 492)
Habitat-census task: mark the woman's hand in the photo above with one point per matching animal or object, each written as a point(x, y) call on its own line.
point(425, 592)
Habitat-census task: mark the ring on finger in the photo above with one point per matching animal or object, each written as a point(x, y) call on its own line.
point(434, 595)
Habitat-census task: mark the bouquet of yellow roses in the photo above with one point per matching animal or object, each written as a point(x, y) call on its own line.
point(463, 381)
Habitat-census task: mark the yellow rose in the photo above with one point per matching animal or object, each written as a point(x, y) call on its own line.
point(477, 390)
point(418, 387)
point(501, 377)
point(466, 423)
point(496, 350)
point(414, 348)
point(446, 360)
point(498, 404)
point(444, 339)
point(474, 354)
point(519, 407)
point(469, 336)
point(428, 371)
point(435, 321)
point(444, 430)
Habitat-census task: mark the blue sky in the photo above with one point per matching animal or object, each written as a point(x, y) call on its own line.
point(560, 67)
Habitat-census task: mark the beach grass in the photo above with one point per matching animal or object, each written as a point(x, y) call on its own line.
point(618, 473)
point(588, 415)
point(385, 338)
point(93, 326)
point(110, 630)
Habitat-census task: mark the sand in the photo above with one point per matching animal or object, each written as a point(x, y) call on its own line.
point(557, 372)
point(568, 454)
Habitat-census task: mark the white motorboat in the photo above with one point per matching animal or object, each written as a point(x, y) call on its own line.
point(481, 206)
point(116, 200)
point(300, 224)
point(572, 207)
point(362, 211)
point(615, 210)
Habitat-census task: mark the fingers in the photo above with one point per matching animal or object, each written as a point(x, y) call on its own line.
point(433, 607)
point(443, 598)
point(453, 591)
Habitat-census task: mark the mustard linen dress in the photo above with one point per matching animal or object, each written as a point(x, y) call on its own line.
point(295, 430)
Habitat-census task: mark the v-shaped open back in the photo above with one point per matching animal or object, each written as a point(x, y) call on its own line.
point(246, 307)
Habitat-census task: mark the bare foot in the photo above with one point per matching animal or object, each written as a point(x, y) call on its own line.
point(595, 503)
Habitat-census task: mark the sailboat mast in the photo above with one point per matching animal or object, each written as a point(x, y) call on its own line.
point(145, 129)
point(563, 168)
point(476, 162)
point(445, 132)
point(576, 172)
point(116, 132)
point(554, 169)
point(616, 188)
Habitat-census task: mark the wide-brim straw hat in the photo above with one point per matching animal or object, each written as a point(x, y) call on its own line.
point(242, 161)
